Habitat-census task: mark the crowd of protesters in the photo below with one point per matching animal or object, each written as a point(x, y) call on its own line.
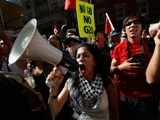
point(115, 80)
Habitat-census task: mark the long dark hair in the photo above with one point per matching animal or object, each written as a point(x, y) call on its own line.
point(101, 64)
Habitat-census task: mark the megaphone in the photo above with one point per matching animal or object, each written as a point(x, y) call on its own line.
point(30, 44)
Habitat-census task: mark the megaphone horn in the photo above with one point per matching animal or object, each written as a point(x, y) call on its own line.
point(32, 45)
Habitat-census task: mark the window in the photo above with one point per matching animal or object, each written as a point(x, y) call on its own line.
point(53, 5)
point(27, 5)
point(100, 14)
point(120, 11)
point(143, 7)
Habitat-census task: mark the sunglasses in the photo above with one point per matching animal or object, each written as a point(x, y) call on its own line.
point(133, 21)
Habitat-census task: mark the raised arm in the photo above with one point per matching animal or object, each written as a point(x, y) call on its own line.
point(153, 69)
point(58, 96)
point(58, 102)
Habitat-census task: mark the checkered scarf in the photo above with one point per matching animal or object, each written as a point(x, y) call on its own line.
point(90, 90)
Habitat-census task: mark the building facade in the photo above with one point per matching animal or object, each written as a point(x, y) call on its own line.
point(49, 12)
point(119, 9)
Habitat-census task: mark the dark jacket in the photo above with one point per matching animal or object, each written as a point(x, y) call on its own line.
point(18, 101)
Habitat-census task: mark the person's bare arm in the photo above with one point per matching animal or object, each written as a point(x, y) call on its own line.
point(58, 96)
point(153, 69)
point(58, 102)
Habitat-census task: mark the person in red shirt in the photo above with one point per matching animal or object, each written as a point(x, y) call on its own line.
point(129, 61)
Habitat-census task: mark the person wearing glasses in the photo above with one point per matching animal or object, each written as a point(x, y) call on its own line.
point(129, 61)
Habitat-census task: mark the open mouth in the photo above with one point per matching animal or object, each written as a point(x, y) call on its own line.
point(82, 68)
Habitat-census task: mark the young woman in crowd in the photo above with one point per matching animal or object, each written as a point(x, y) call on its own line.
point(91, 92)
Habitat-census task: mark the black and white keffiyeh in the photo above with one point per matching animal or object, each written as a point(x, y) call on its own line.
point(90, 90)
